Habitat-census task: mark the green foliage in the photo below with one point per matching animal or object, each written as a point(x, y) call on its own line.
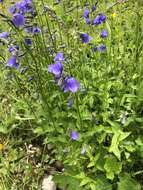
point(67, 181)
point(112, 167)
point(36, 120)
point(126, 183)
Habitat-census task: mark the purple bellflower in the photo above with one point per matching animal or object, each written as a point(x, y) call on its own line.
point(85, 38)
point(103, 34)
point(56, 69)
point(59, 57)
point(99, 19)
point(93, 8)
point(102, 48)
point(4, 35)
point(70, 84)
point(36, 30)
point(24, 6)
point(87, 20)
point(12, 10)
point(28, 41)
point(13, 48)
point(18, 20)
point(74, 135)
point(12, 62)
point(86, 13)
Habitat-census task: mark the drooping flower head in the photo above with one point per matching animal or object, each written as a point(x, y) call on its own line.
point(28, 41)
point(102, 48)
point(86, 16)
point(56, 69)
point(21, 7)
point(86, 13)
point(94, 8)
point(12, 10)
point(18, 20)
point(4, 35)
point(85, 38)
point(102, 17)
point(70, 84)
point(12, 62)
point(99, 19)
point(74, 135)
point(87, 20)
point(59, 57)
point(36, 30)
point(24, 6)
point(13, 48)
point(104, 34)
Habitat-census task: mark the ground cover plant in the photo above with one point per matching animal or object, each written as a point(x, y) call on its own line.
point(71, 97)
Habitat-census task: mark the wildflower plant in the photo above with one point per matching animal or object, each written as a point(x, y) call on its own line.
point(67, 83)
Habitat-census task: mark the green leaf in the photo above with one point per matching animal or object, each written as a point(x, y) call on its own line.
point(112, 167)
point(103, 183)
point(67, 180)
point(85, 181)
point(117, 138)
point(93, 186)
point(127, 183)
point(3, 129)
point(114, 146)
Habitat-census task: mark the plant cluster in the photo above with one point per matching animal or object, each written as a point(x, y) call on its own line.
point(71, 94)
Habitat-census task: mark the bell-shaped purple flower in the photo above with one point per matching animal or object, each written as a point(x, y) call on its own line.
point(102, 17)
point(74, 135)
point(70, 84)
point(36, 30)
point(87, 20)
point(56, 69)
point(13, 48)
point(24, 6)
point(104, 34)
point(94, 8)
point(85, 38)
point(59, 57)
point(4, 35)
point(12, 10)
point(102, 48)
point(86, 13)
point(99, 19)
point(18, 20)
point(12, 62)
point(28, 41)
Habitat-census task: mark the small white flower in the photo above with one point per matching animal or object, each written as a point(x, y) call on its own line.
point(48, 183)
